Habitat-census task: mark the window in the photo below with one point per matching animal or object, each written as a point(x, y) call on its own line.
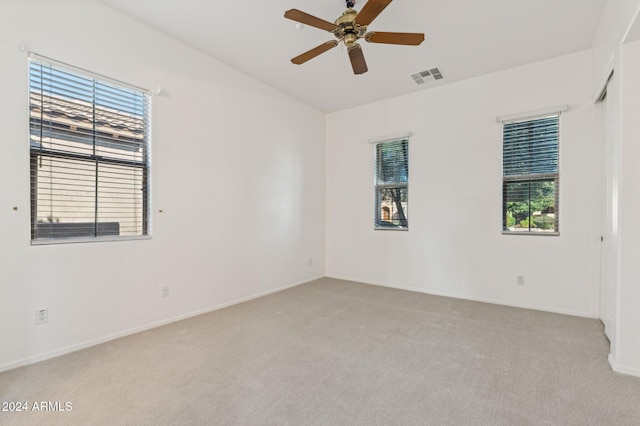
point(530, 182)
point(89, 155)
point(391, 184)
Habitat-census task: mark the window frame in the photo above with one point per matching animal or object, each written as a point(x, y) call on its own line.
point(399, 185)
point(532, 178)
point(132, 167)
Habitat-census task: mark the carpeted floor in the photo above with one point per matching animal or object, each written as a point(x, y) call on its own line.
point(333, 352)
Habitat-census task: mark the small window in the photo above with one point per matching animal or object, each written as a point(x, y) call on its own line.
point(89, 151)
point(530, 182)
point(391, 184)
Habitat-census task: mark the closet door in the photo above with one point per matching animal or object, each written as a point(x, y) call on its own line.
point(609, 108)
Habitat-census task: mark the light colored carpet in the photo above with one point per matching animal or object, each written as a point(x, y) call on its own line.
point(333, 352)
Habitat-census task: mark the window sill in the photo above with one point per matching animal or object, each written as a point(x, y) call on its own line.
point(46, 242)
point(545, 234)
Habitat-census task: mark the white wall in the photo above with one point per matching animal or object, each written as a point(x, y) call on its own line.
point(617, 18)
point(238, 169)
point(454, 245)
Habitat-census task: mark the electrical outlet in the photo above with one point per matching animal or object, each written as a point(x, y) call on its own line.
point(165, 291)
point(520, 280)
point(42, 316)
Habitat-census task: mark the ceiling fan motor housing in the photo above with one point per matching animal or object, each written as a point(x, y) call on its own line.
point(348, 29)
point(347, 18)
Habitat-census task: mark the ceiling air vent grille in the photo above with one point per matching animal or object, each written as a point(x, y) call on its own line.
point(422, 76)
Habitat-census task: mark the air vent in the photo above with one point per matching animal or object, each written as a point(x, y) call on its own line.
point(417, 78)
point(423, 76)
point(435, 72)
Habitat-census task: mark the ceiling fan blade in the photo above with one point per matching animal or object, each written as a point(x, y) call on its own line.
point(301, 59)
point(370, 11)
point(357, 59)
point(408, 39)
point(305, 18)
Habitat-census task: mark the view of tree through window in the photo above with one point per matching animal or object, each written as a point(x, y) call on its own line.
point(391, 184)
point(530, 176)
point(89, 155)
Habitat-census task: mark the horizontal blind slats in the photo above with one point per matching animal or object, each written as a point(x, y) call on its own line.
point(66, 84)
point(392, 160)
point(89, 155)
point(531, 147)
point(391, 180)
point(530, 175)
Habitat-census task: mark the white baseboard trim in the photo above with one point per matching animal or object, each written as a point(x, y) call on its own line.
point(93, 342)
point(622, 369)
point(480, 299)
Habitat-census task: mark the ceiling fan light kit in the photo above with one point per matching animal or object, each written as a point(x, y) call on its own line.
point(350, 27)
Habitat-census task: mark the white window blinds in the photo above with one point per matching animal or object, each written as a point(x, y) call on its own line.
point(391, 184)
point(530, 175)
point(89, 145)
point(531, 147)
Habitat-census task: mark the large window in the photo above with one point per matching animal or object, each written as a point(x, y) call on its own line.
point(391, 184)
point(530, 182)
point(89, 150)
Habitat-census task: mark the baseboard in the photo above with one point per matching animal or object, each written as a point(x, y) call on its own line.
point(93, 342)
point(479, 299)
point(630, 371)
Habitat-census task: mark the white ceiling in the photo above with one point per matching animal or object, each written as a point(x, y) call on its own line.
point(464, 38)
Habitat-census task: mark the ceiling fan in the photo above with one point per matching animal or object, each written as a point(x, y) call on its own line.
point(349, 28)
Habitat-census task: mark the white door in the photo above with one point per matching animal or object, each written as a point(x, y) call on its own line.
point(610, 184)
